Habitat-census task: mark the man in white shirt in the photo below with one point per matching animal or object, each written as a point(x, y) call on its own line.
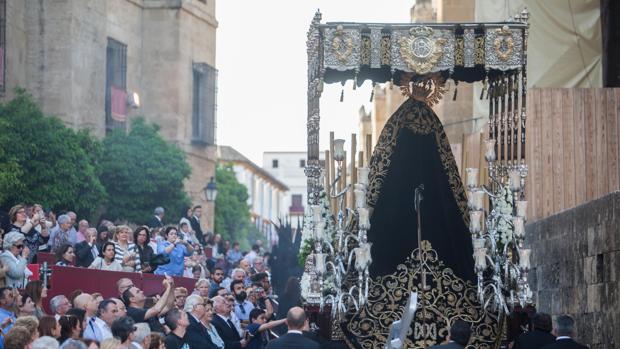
point(99, 327)
point(59, 305)
point(142, 336)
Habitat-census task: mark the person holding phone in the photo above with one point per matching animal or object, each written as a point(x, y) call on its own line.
point(257, 330)
point(176, 249)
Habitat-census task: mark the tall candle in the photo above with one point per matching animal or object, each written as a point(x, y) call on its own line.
point(524, 258)
point(474, 221)
point(515, 180)
point(364, 220)
point(522, 209)
point(472, 177)
point(319, 263)
point(478, 243)
point(319, 228)
point(338, 149)
point(360, 198)
point(477, 200)
point(316, 214)
point(362, 175)
point(519, 228)
point(489, 153)
point(480, 258)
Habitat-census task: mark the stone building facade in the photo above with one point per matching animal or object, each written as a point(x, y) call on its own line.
point(83, 60)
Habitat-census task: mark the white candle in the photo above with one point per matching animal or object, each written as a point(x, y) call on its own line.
point(319, 263)
point(478, 243)
point(316, 214)
point(362, 256)
point(362, 175)
point(524, 258)
point(477, 200)
point(515, 180)
point(519, 228)
point(522, 209)
point(480, 258)
point(319, 231)
point(338, 149)
point(489, 153)
point(364, 221)
point(474, 221)
point(360, 198)
point(472, 177)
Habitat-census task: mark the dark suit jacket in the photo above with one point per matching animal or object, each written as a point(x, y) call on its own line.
point(155, 223)
point(196, 335)
point(229, 336)
point(533, 340)
point(565, 344)
point(293, 341)
point(83, 254)
point(450, 345)
point(195, 223)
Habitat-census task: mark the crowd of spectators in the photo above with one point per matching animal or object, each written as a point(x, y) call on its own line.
point(232, 304)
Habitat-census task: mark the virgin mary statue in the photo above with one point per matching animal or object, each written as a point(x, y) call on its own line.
point(413, 152)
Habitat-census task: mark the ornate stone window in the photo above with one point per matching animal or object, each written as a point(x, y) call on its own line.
point(116, 85)
point(204, 104)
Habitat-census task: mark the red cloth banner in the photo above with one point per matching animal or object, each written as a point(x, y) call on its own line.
point(118, 104)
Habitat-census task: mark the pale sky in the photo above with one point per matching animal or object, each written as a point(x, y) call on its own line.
point(262, 63)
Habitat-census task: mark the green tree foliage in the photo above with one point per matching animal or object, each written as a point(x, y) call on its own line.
point(141, 171)
point(232, 213)
point(42, 161)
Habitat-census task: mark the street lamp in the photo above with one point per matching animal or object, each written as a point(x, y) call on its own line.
point(210, 190)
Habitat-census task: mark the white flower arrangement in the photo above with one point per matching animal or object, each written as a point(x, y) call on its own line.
point(504, 226)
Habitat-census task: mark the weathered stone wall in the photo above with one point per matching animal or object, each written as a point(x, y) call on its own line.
point(576, 259)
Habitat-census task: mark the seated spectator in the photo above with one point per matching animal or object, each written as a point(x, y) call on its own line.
point(186, 233)
point(17, 337)
point(259, 265)
point(180, 294)
point(460, 332)
point(62, 234)
point(142, 336)
point(296, 321)
point(81, 232)
point(245, 265)
point(65, 256)
point(258, 327)
point(49, 326)
point(242, 306)
point(45, 342)
point(176, 249)
point(234, 255)
point(86, 251)
point(106, 259)
point(73, 344)
point(197, 334)
point(35, 290)
point(539, 336)
point(111, 343)
point(145, 252)
point(157, 341)
point(237, 274)
point(216, 279)
point(124, 329)
point(31, 324)
point(70, 328)
point(87, 303)
point(99, 327)
point(224, 326)
point(7, 304)
point(120, 305)
point(564, 331)
point(59, 305)
point(135, 298)
point(254, 252)
point(202, 288)
point(122, 285)
point(27, 306)
point(98, 297)
point(177, 322)
point(15, 258)
point(102, 236)
point(126, 252)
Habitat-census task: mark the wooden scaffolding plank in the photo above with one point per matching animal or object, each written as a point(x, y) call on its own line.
point(612, 140)
point(580, 145)
point(601, 143)
point(547, 151)
point(557, 152)
point(568, 147)
point(590, 144)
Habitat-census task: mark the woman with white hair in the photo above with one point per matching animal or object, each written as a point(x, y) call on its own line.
point(15, 258)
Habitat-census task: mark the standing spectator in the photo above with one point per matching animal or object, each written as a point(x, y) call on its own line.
point(142, 336)
point(27, 307)
point(176, 249)
point(81, 232)
point(124, 329)
point(254, 252)
point(111, 343)
point(45, 342)
point(15, 258)
point(135, 299)
point(216, 279)
point(49, 326)
point(258, 327)
point(234, 255)
point(31, 324)
point(237, 274)
point(106, 260)
point(242, 305)
point(207, 321)
point(539, 336)
point(458, 337)
point(224, 326)
point(65, 256)
point(21, 224)
point(564, 331)
point(123, 284)
point(87, 303)
point(102, 236)
point(126, 252)
point(146, 253)
point(245, 265)
point(258, 265)
point(186, 233)
point(35, 290)
point(122, 310)
point(197, 335)
point(157, 221)
point(195, 224)
point(296, 321)
point(177, 322)
point(99, 327)
point(180, 294)
point(86, 251)
point(59, 305)
point(17, 338)
point(62, 233)
point(217, 250)
point(7, 304)
point(202, 288)
point(70, 328)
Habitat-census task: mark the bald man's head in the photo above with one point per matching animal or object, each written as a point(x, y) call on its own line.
point(296, 318)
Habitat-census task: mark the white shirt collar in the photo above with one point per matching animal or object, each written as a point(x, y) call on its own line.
point(294, 331)
point(223, 317)
point(562, 337)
